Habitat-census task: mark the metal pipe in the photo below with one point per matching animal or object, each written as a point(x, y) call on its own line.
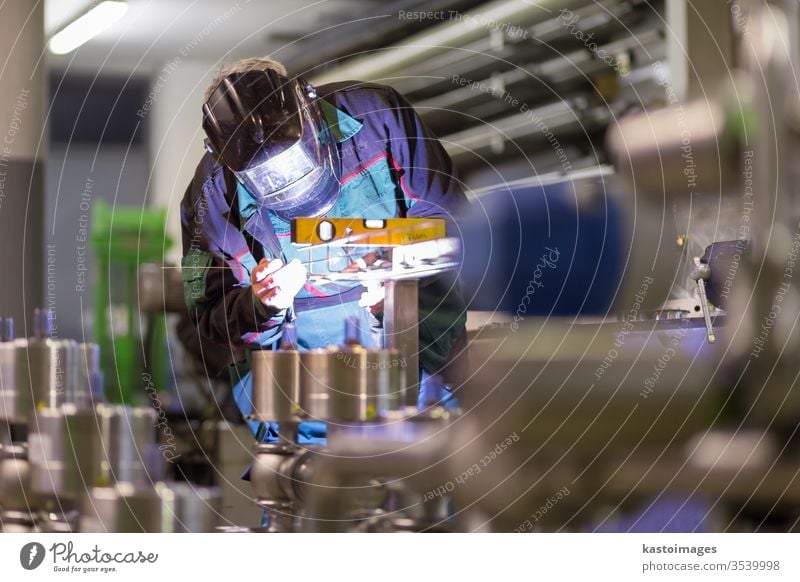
point(276, 385)
point(401, 329)
point(425, 45)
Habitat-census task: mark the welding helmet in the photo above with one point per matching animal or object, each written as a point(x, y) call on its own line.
point(269, 131)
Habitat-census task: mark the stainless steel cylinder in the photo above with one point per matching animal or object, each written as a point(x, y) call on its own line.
point(276, 385)
point(364, 384)
point(270, 475)
point(46, 374)
point(122, 508)
point(11, 406)
point(60, 452)
point(188, 508)
point(315, 383)
point(15, 479)
point(125, 447)
point(386, 373)
point(348, 386)
point(90, 379)
point(162, 508)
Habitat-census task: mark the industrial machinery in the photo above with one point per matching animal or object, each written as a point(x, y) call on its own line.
point(654, 391)
point(69, 461)
point(683, 406)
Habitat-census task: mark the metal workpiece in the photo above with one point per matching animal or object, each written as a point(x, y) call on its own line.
point(232, 451)
point(159, 508)
point(401, 330)
point(276, 385)
point(364, 384)
point(357, 475)
point(547, 405)
point(280, 476)
point(45, 373)
point(315, 383)
point(386, 379)
point(60, 444)
point(121, 508)
point(12, 406)
point(765, 308)
point(741, 467)
point(347, 400)
point(47, 376)
point(406, 425)
point(285, 484)
point(270, 473)
point(592, 373)
point(189, 508)
point(125, 447)
point(352, 384)
point(408, 510)
point(15, 480)
point(90, 376)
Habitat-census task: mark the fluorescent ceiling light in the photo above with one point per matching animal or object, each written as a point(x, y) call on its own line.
point(87, 26)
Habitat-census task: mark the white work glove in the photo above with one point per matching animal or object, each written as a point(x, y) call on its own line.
point(373, 297)
point(276, 284)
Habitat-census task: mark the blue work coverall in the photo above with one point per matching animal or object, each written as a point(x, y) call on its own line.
point(391, 166)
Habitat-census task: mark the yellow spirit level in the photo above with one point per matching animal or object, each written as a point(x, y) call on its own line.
point(366, 231)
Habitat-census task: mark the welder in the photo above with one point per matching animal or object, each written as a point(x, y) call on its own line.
point(279, 148)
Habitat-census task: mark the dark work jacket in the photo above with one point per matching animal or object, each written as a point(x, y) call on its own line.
point(391, 166)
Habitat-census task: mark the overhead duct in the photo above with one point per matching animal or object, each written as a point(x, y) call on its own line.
point(469, 27)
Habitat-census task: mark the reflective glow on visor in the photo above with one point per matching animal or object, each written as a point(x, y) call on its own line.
point(280, 171)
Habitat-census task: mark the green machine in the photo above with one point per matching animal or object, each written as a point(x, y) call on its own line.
point(133, 346)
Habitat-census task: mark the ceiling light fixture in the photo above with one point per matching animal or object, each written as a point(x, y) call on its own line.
point(86, 27)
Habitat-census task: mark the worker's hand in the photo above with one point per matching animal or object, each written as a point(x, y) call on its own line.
point(373, 297)
point(374, 259)
point(276, 284)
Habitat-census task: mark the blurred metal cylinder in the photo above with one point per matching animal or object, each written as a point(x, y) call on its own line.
point(60, 452)
point(386, 373)
point(16, 522)
point(122, 508)
point(680, 150)
point(348, 386)
point(189, 508)
point(125, 448)
point(271, 474)
point(15, 478)
point(46, 374)
point(276, 384)
point(315, 382)
point(71, 450)
point(90, 377)
point(160, 289)
point(162, 508)
point(11, 406)
point(364, 384)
